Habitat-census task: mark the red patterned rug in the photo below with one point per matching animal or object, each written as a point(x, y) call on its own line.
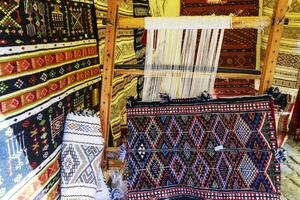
point(239, 45)
point(234, 87)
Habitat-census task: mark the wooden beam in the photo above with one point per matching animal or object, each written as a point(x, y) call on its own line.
point(162, 73)
point(108, 67)
point(237, 22)
point(276, 30)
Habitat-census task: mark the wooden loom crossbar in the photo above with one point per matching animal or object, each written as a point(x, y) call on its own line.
point(276, 28)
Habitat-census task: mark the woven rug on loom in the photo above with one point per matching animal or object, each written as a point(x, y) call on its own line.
point(287, 73)
point(49, 65)
point(239, 45)
point(221, 149)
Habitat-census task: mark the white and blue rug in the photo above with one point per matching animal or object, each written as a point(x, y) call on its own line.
point(81, 156)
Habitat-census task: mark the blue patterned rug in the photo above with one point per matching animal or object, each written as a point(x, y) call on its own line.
point(221, 149)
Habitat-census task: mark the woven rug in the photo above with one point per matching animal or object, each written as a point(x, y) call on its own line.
point(222, 149)
point(123, 85)
point(140, 9)
point(80, 158)
point(234, 87)
point(239, 45)
point(49, 65)
point(287, 73)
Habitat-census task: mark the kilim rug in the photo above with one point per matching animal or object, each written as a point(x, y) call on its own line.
point(140, 9)
point(82, 148)
point(234, 87)
point(239, 45)
point(287, 73)
point(49, 65)
point(221, 149)
point(123, 85)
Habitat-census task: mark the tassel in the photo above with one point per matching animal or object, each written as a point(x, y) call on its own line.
point(281, 155)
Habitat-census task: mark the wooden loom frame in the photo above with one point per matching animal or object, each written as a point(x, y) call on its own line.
point(276, 24)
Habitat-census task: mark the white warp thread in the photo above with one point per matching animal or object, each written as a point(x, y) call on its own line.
point(188, 22)
point(182, 62)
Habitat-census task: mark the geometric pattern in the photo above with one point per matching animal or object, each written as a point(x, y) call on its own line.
point(123, 85)
point(287, 71)
point(44, 62)
point(248, 170)
point(80, 159)
point(221, 149)
point(70, 162)
point(239, 45)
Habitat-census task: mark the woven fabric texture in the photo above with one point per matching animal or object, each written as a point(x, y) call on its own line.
point(222, 149)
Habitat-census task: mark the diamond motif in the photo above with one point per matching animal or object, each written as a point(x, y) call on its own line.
point(247, 170)
point(40, 61)
point(153, 133)
point(70, 163)
point(224, 170)
point(9, 68)
point(155, 169)
point(77, 65)
point(141, 155)
point(14, 103)
point(23, 65)
point(19, 83)
point(196, 132)
point(54, 86)
point(242, 130)
point(52, 73)
point(30, 97)
point(44, 92)
point(49, 59)
point(220, 131)
point(178, 168)
point(174, 132)
point(164, 148)
point(201, 169)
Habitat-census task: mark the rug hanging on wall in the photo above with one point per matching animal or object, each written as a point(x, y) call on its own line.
point(287, 73)
point(221, 149)
point(49, 65)
point(123, 85)
point(239, 45)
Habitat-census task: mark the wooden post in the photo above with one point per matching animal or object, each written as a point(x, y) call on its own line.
point(276, 30)
point(108, 67)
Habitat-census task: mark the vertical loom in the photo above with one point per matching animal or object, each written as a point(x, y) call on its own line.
point(276, 25)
